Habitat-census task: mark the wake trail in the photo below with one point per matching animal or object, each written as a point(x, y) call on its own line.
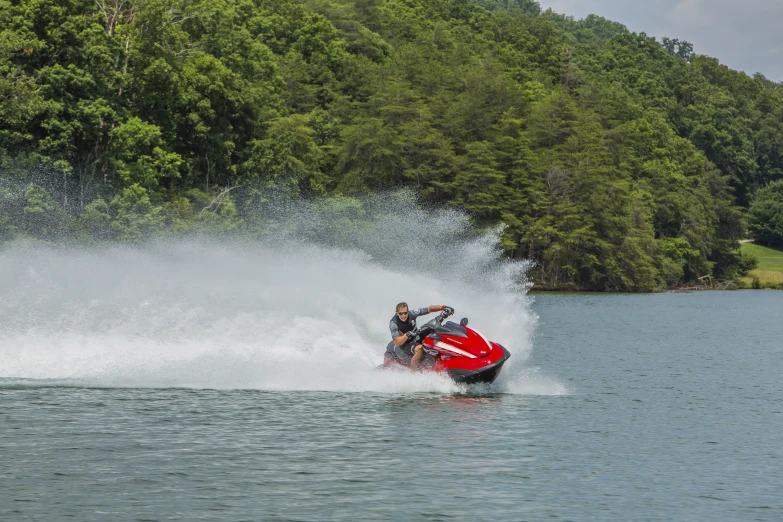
point(307, 308)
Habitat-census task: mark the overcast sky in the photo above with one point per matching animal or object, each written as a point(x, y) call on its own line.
point(746, 35)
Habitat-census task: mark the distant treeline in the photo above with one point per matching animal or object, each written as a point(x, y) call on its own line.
point(617, 162)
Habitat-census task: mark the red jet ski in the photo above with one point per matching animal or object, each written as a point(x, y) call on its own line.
point(461, 352)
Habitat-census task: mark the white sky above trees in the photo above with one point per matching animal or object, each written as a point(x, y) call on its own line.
point(746, 35)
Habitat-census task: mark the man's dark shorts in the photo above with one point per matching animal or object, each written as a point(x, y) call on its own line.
point(404, 352)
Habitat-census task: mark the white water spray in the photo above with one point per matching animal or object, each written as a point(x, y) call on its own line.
point(306, 309)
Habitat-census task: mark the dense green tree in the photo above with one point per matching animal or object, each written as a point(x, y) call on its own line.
point(134, 217)
point(138, 156)
point(615, 161)
point(765, 217)
point(289, 154)
point(43, 217)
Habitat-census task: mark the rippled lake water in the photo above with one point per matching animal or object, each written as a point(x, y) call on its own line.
point(631, 407)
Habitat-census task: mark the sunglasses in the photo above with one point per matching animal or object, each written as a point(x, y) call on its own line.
point(402, 313)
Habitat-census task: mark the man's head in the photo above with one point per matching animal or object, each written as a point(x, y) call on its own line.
point(402, 311)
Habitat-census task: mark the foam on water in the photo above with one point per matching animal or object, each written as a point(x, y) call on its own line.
point(297, 311)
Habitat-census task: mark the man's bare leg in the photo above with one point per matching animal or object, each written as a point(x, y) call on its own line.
point(418, 352)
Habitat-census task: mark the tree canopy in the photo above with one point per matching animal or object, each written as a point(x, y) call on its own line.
point(765, 215)
point(615, 161)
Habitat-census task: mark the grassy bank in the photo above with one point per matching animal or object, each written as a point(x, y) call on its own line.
point(770, 269)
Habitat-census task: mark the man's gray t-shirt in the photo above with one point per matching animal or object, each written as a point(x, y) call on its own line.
point(412, 314)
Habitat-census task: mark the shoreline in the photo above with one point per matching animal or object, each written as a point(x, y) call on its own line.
point(673, 290)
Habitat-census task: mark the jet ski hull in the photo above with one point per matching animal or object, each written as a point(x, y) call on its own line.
point(486, 375)
point(454, 368)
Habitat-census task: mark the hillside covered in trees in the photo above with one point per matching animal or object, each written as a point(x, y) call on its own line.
point(616, 162)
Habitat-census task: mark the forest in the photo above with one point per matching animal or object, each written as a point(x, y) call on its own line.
point(614, 161)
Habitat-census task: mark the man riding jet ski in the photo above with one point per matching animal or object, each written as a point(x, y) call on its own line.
point(402, 326)
point(461, 352)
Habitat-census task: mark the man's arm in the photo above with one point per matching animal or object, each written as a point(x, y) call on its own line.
point(399, 341)
point(423, 311)
point(402, 339)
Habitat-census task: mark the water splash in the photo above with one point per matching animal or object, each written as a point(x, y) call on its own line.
point(300, 310)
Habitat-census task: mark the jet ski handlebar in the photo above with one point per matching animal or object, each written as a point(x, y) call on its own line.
point(427, 328)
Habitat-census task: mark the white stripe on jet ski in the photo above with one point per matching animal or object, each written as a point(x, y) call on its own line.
point(451, 348)
point(485, 340)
